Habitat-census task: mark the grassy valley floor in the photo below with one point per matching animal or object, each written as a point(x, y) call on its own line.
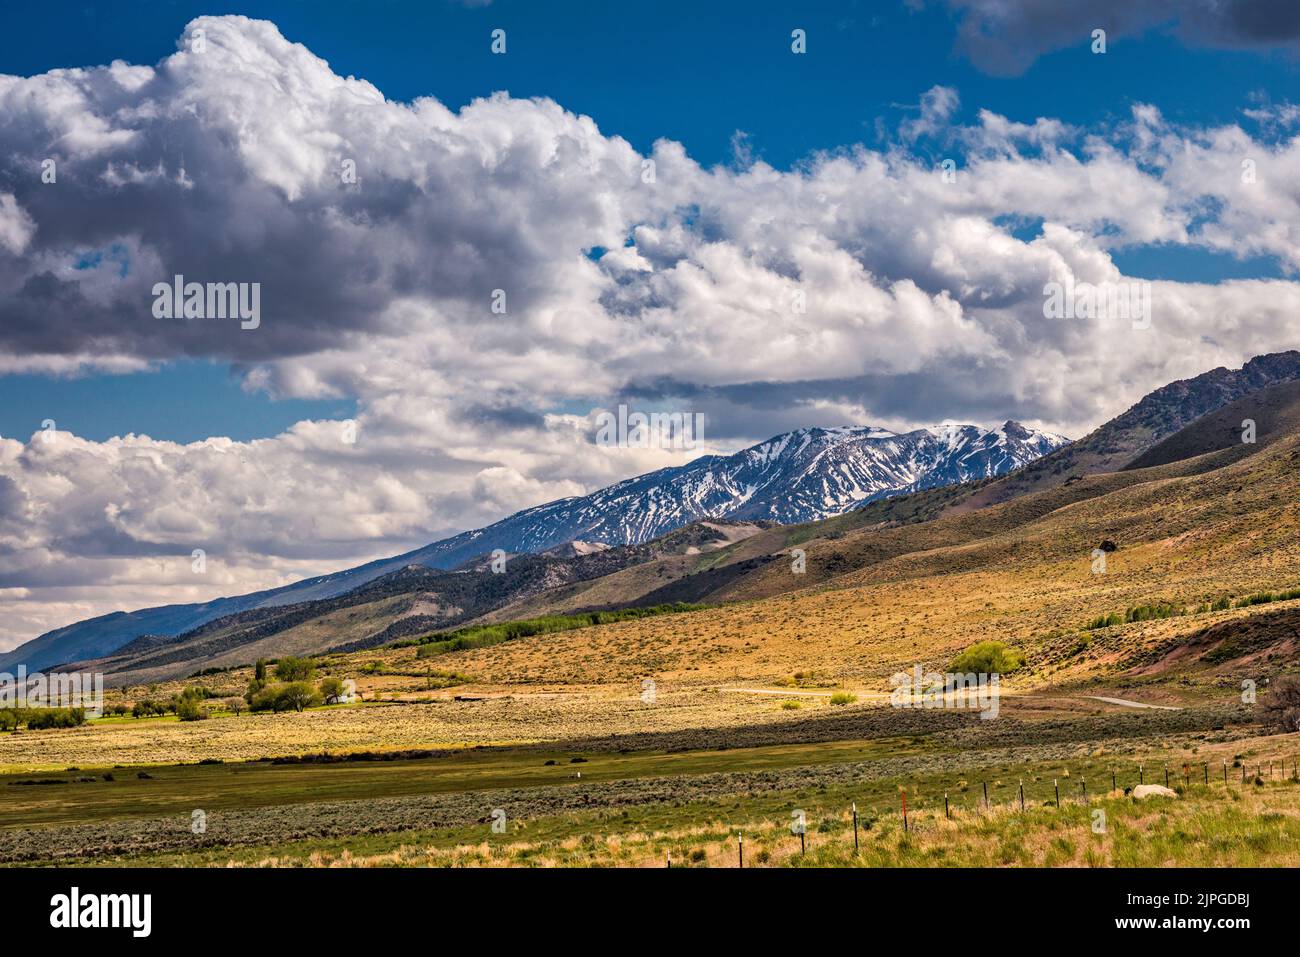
point(599, 803)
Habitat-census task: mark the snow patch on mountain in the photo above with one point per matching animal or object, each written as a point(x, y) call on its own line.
point(800, 476)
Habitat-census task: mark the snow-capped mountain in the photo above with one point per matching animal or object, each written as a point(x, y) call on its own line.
point(800, 476)
point(796, 477)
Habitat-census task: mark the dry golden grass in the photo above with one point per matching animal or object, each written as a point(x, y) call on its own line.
point(535, 716)
point(1183, 539)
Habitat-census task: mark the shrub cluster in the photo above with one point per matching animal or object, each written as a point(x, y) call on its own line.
point(1167, 610)
point(483, 636)
point(987, 657)
point(1148, 612)
point(189, 706)
point(39, 719)
point(1264, 597)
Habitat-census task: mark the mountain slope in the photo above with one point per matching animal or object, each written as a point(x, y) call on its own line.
point(927, 520)
point(859, 474)
point(1190, 533)
point(411, 601)
point(711, 561)
point(797, 477)
point(1158, 415)
point(874, 600)
point(1275, 412)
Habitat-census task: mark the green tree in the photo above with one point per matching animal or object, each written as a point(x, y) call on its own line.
point(331, 689)
point(254, 687)
point(259, 671)
point(296, 695)
point(262, 699)
point(189, 708)
point(295, 669)
point(41, 718)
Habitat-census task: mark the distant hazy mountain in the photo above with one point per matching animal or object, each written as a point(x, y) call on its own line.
point(796, 477)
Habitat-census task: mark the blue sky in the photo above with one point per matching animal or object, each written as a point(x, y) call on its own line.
point(690, 71)
point(183, 401)
point(687, 71)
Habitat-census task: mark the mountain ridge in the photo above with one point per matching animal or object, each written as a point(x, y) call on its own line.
point(797, 476)
point(709, 562)
point(847, 474)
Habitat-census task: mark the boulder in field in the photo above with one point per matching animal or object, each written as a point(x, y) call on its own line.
point(1143, 791)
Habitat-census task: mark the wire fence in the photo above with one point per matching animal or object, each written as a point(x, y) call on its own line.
point(1058, 792)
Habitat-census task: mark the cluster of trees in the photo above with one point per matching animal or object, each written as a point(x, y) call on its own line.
point(289, 696)
point(293, 689)
point(37, 719)
point(1264, 597)
point(188, 705)
point(148, 707)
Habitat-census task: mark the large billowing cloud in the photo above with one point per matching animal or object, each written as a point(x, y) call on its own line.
point(864, 285)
